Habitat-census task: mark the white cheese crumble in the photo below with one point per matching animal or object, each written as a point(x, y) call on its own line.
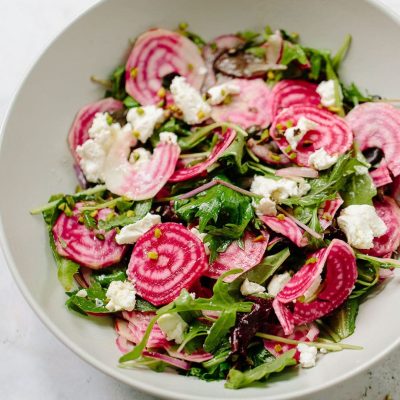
point(323, 350)
point(361, 224)
point(143, 120)
point(100, 128)
point(81, 293)
point(308, 355)
point(294, 134)
point(173, 326)
point(327, 91)
point(202, 71)
point(218, 94)
point(168, 137)
point(321, 160)
point(121, 295)
point(98, 302)
point(265, 206)
point(139, 157)
point(201, 236)
point(277, 283)
point(129, 234)
point(249, 288)
point(189, 100)
point(276, 190)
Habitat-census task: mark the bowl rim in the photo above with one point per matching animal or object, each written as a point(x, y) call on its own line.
point(86, 356)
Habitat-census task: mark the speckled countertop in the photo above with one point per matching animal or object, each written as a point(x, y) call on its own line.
point(34, 364)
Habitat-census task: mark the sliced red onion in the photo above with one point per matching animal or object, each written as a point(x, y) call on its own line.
point(181, 364)
point(198, 356)
point(297, 172)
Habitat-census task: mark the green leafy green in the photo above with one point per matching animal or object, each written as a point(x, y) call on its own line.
point(220, 329)
point(237, 379)
point(341, 53)
point(95, 301)
point(130, 102)
point(259, 355)
point(106, 278)
point(293, 52)
point(117, 80)
point(233, 155)
point(359, 189)
point(352, 96)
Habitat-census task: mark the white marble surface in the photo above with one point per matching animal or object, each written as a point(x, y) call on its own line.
point(34, 364)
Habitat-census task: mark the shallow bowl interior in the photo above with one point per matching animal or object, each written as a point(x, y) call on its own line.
point(35, 162)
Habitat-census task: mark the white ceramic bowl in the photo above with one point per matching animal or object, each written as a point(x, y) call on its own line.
point(35, 162)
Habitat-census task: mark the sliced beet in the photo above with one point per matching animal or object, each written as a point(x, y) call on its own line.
point(288, 93)
point(389, 212)
point(156, 54)
point(165, 262)
point(333, 133)
point(327, 211)
point(79, 131)
point(236, 257)
point(287, 228)
point(248, 108)
point(268, 152)
point(122, 328)
point(86, 247)
point(378, 125)
point(284, 315)
point(138, 183)
point(381, 175)
point(197, 356)
point(183, 174)
point(124, 345)
point(137, 323)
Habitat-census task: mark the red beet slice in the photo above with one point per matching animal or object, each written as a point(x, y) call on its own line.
point(122, 328)
point(236, 257)
point(124, 345)
point(184, 174)
point(395, 190)
point(197, 356)
point(288, 93)
point(274, 46)
point(327, 211)
point(76, 242)
point(175, 362)
point(287, 228)
point(284, 316)
point(126, 179)
point(157, 53)
point(378, 125)
point(164, 263)
point(381, 175)
point(389, 212)
point(249, 107)
point(267, 152)
point(137, 325)
point(332, 133)
point(213, 50)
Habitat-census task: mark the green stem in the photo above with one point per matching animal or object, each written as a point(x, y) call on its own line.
point(107, 204)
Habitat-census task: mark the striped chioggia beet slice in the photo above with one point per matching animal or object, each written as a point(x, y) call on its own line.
point(248, 108)
point(286, 227)
point(332, 133)
point(165, 260)
point(284, 315)
point(175, 362)
point(79, 131)
point(157, 53)
point(236, 257)
point(327, 211)
point(137, 325)
point(143, 181)
point(288, 93)
point(389, 212)
point(378, 125)
point(340, 278)
point(84, 246)
point(124, 345)
point(197, 356)
point(184, 174)
point(395, 190)
point(381, 175)
point(213, 50)
point(122, 328)
point(267, 152)
point(303, 333)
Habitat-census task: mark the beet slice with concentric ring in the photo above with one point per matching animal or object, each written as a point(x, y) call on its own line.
point(332, 133)
point(237, 257)
point(378, 125)
point(156, 54)
point(248, 108)
point(184, 174)
point(327, 211)
point(381, 175)
point(86, 247)
point(79, 131)
point(290, 92)
point(284, 315)
point(389, 212)
point(165, 260)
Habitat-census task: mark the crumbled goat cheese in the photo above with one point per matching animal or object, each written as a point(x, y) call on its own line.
point(168, 137)
point(129, 234)
point(294, 134)
point(265, 206)
point(218, 94)
point(98, 302)
point(308, 355)
point(139, 157)
point(143, 120)
point(276, 190)
point(327, 91)
point(81, 293)
point(173, 326)
point(189, 100)
point(201, 236)
point(277, 283)
point(100, 129)
point(202, 71)
point(249, 288)
point(321, 160)
point(361, 224)
point(121, 295)
point(323, 350)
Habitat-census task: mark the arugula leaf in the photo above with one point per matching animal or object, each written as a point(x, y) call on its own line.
point(237, 379)
point(233, 155)
point(368, 278)
point(94, 302)
point(130, 102)
point(220, 329)
point(117, 80)
point(341, 53)
point(352, 96)
point(359, 189)
point(106, 279)
point(259, 355)
point(293, 52)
